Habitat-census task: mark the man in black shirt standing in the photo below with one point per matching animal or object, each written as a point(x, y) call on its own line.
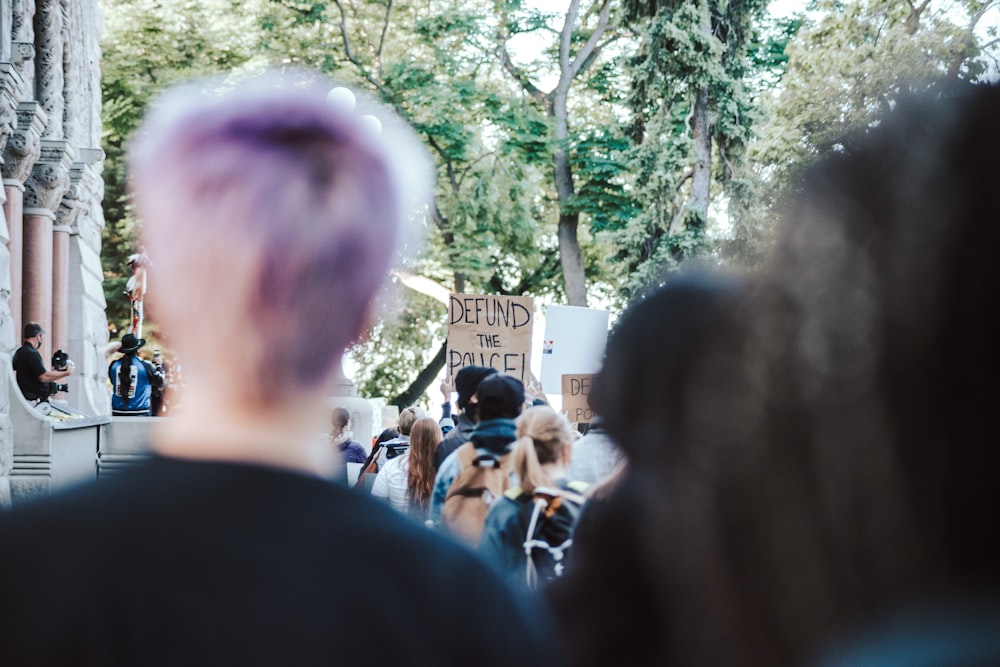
point(36, 383)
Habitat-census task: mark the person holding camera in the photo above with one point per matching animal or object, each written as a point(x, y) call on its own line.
point(157, 391)
point(133, 379)
point(36, 383)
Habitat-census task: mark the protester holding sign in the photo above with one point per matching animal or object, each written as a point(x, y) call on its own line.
point(490, 330)
point(466, 382)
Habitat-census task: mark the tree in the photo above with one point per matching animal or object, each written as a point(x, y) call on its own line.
point(488, 232)
point(691, 94)
point(851, 62)
point(582, 38)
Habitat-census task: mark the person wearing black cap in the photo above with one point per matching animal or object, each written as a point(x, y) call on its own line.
point(466, 382)
point(36, 383)
point(500, 399)
point(133, 379)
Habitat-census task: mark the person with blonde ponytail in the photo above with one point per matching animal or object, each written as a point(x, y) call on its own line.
point(529, 531)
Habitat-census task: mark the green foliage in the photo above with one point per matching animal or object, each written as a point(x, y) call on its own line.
point(688, 50)
point(780, 94)
point(400, 345)
point(147, 46)
point(602, 195)
point(848, 63)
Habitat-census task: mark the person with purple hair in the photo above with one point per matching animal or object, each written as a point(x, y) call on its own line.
point(276, 212)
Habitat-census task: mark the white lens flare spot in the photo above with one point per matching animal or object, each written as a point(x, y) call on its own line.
point(342, 99)
point(372, 124)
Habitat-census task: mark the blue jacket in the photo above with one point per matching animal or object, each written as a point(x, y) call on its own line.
point(496, 435)
point(143, 378)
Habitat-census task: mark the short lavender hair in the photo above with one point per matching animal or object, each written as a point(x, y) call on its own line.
point(276, 215)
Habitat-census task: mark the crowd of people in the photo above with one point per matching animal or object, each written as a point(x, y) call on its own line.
point(796, 466)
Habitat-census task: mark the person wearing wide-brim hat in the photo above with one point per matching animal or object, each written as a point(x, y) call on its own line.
point(132, 379)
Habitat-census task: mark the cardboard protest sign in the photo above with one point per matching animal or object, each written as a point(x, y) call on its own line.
point(490, 330)
point(574, 342)
point(575, 392)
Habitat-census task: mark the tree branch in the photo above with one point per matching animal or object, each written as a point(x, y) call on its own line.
point(423, 379)
point(545, 270)
point(520, 77)
point(441, 222)
point(596, 52)
point(349, 52)
point(381, 37)
point(565, 37)
point(989, 43)
point(473, 163)
point(968, 40)
point(595, 37)
point(449, 165)
point(912, 22)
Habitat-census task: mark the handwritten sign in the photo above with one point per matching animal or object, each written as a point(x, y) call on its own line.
point(575, 393)
point(490, 330)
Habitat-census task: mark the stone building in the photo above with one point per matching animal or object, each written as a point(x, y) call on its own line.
point(50, 233)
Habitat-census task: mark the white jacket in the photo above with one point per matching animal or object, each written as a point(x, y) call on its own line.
point(391, 482)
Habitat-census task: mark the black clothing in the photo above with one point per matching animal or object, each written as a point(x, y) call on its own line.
point(28, 368)
point(157, 391)
point(456, 437)
point(209, 563)
point(606, 575)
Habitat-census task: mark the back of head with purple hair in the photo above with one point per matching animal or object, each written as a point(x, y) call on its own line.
point(272, 216)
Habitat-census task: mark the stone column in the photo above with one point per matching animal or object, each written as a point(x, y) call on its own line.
point(73, 63)
point(22, 151)
point(44, 190)
point(60, 287)
point(49, 65)
point(36, 285)
point(10, 82)
point(86, 322)
point(10, 90)
point(23, 33)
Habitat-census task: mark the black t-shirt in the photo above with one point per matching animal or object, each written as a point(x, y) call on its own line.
point(606, 575)
point(28, 367)
point(196, 563)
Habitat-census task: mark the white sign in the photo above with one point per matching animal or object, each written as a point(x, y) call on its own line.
point(573, 343)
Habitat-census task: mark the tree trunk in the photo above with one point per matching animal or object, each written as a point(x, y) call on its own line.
point(701, 135)
point(423, 381)
point(570, 255)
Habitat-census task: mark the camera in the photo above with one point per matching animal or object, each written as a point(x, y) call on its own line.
point(54, 388)
point(60, 360)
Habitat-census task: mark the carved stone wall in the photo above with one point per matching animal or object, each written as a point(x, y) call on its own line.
point(50, 90)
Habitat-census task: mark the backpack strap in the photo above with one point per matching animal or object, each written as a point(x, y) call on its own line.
point(546, 501)
point(530, 543)
point(368, 467)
